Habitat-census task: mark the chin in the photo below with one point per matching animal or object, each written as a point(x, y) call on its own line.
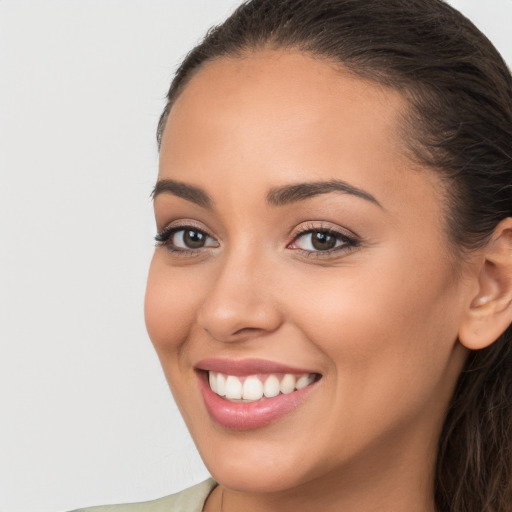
point(259, 463)
point(250, 476)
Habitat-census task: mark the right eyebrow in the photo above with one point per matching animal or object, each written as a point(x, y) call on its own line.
point(179, 189)
point(301, 191)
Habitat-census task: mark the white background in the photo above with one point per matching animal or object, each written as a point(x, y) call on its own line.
point(85, 414)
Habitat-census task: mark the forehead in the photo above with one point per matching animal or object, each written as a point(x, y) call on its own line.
point(292, 90)
point(271, 98)
point(272, 118)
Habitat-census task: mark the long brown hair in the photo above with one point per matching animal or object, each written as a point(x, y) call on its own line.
point(460, 124)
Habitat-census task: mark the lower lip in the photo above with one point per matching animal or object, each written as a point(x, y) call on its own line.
point(245, 416)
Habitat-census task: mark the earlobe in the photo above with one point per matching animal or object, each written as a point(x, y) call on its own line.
point(490, 310)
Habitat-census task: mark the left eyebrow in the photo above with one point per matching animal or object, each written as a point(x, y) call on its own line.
point(287, 194)
point(179, 189)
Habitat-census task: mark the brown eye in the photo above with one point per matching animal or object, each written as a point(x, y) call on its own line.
point(185, 239)
point(322, 241)
point(315, 241)
point(190, 238)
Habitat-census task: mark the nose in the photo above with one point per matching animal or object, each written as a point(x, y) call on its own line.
point(240, 303)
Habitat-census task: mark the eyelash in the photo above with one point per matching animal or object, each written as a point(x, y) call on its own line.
point(164, 237)
point(349, 243)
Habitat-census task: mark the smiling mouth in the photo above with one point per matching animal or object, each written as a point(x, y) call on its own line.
point(258, 387)
point(252, 393)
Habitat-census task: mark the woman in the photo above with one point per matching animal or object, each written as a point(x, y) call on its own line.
point(330, 295)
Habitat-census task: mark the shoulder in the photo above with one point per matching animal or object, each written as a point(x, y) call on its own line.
point(189, 500)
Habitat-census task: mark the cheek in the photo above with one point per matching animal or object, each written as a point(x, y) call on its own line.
point(170, 307)
point(388, 332)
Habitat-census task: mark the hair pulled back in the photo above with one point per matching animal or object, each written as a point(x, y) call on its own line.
point(459, 124)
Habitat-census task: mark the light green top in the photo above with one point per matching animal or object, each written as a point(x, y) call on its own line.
point(189, 500)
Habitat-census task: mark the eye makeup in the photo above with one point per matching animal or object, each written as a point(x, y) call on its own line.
point(312, 239)
point(185, 239)
point(320, 240)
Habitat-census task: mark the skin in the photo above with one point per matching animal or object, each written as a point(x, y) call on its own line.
point(379, 321)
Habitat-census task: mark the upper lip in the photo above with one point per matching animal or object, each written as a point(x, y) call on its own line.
point(243, 367)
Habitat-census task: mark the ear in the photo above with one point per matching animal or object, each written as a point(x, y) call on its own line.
point(490, 311)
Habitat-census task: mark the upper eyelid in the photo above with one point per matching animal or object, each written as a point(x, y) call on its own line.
point(349, 239)
point(312, 226)
point(164, 239)
point(183, 225)
point(164, 235)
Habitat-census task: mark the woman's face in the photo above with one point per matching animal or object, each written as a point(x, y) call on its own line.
point(300, 247)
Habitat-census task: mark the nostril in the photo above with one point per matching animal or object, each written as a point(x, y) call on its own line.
point(233, 329)
point(246, 330)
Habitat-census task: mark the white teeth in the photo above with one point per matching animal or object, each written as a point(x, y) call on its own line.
point(287, 384)
point(304, 381)
point(252, 389)
point(233, 388)
point(221, 384)
point(212, 377)
point(271, 386)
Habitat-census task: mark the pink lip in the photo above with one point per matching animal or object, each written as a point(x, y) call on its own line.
point(245, 367)
point(245, 416)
